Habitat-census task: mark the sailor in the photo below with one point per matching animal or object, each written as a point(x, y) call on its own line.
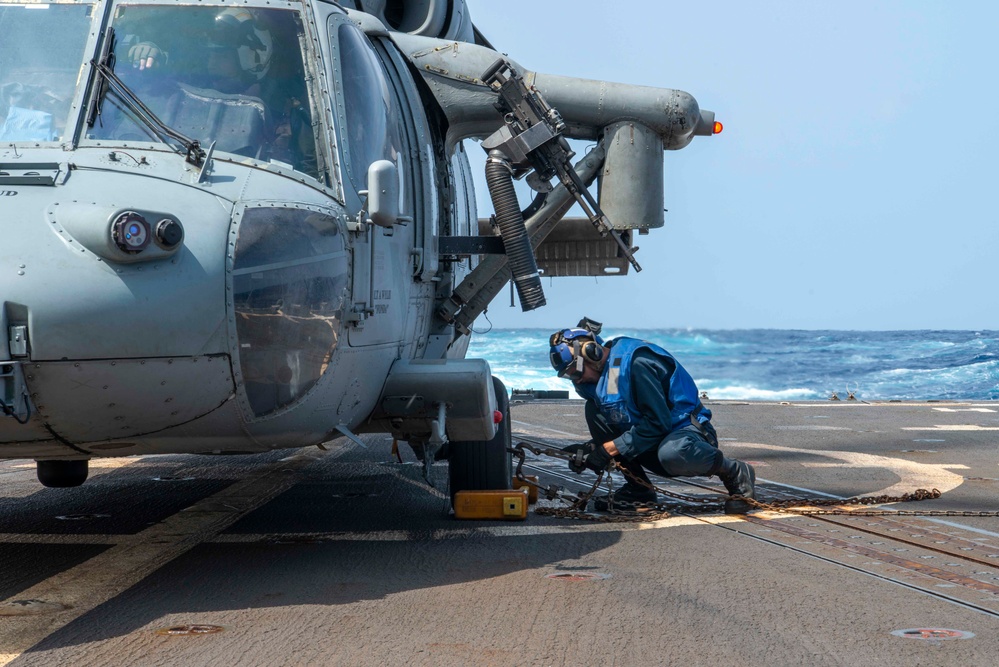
point(643, 410)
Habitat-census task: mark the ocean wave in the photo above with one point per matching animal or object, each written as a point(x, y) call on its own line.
point(767, 365)
point(749, 393)
point(971, 368)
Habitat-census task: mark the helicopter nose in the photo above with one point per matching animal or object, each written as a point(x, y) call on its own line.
point(94, 281)
point(106, 345)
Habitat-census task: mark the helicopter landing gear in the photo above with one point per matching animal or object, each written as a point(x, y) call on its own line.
point(475, 465)
point(62, 474)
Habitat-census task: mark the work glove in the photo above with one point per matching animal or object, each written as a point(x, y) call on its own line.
point(599, 459)
point(587, 447)
point(578, 452)
point(594, 457)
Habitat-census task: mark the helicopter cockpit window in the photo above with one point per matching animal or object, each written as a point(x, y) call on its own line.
point(371, 117)
point(290, 292)
point(41, 55)
point(232, 75)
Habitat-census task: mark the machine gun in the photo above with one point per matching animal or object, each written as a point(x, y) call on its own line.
point(532, 140)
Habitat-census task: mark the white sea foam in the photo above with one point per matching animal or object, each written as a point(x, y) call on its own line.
point(743, 393)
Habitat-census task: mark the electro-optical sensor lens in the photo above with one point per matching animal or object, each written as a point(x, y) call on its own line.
point(130, 232)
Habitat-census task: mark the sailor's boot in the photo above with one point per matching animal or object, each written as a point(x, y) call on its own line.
point(740, 480)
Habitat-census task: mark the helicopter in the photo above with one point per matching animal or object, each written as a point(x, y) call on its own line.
point(233, 229)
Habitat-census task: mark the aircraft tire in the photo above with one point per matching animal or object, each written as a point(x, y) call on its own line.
point(476, 465)
point(62, 474)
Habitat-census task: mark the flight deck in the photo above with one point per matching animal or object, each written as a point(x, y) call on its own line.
point(347, 556)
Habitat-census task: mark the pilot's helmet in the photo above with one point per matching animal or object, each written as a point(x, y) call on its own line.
point(569, 349)
point(236, 28)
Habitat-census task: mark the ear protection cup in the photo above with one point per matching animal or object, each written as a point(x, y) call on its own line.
point(571, 347)
point(592, 352)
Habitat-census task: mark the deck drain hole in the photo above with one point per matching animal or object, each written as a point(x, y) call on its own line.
point(30, 607)
point(189, 630)
point(933, 634)
point(81, 517)
point(577, 576)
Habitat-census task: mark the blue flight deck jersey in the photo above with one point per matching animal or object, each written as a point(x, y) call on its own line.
point(646, 391)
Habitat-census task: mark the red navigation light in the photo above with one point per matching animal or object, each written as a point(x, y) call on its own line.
point(717, 128)
point(497, 416)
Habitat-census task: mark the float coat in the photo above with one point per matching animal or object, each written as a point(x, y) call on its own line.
point(644, 401)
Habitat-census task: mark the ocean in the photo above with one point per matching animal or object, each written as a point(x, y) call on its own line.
point(785, 365)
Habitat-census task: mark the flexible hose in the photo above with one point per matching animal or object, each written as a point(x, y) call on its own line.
point(520, 254)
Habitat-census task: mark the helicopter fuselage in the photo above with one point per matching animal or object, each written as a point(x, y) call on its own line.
point(224, 229)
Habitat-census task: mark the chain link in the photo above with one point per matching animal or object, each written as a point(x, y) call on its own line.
point(623, 511)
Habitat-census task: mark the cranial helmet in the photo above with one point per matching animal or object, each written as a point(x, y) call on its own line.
point(571, 347)
point(236, 28)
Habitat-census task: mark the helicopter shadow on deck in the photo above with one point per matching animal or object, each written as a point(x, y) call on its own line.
point(379, 532)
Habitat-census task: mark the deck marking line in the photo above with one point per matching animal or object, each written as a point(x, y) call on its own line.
point(982, 549)
point(768, 519)
point(65, 538)
point(951, 427)
point(525, 530)
point(110, 573)
point(420, 484)
point(868, 573)
point(955, 524)
point(911, 473)
point(884, 557)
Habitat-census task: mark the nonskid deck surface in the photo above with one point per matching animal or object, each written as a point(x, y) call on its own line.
point(346, 557)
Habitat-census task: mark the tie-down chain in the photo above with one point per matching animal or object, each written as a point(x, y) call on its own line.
point(623, 511)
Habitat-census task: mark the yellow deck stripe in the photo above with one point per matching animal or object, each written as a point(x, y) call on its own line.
point(107, 575)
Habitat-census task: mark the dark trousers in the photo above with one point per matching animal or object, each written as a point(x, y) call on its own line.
point(684, 452)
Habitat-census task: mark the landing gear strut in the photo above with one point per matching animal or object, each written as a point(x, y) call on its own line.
point(62, 474)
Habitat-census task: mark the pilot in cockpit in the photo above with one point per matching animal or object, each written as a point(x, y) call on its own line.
point(232, 62)
point(231, 55)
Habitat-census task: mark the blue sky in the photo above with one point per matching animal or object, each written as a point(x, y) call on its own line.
point(854, 185)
